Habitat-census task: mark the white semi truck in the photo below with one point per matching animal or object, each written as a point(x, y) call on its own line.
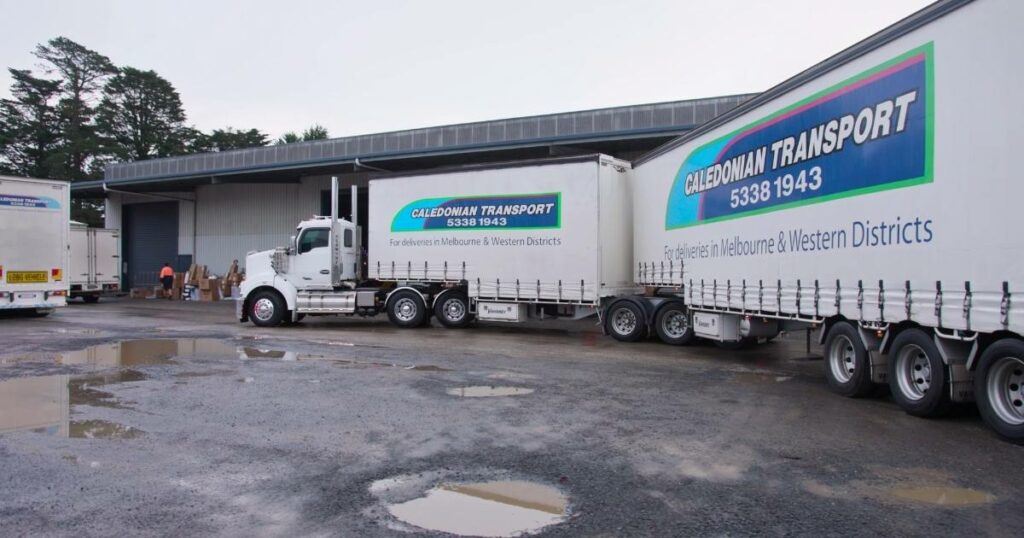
point(34, 217)
point(507, 242)
point(94, 262)
point(872, 196)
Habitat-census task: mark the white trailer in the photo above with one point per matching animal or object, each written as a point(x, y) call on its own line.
point(34, 220)
point(506, 242)
point(95, 262)
point(871, 196)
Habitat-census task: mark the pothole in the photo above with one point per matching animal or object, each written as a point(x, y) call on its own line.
point(487, 508)
point(487, 391)
point(944, 496)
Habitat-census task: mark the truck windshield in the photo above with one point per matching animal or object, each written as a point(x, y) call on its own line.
point(313, 238)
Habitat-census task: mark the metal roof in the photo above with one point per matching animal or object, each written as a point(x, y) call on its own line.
point(618, 123)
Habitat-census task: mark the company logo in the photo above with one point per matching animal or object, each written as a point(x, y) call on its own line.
point(869, 133)
point(32, 202)
point(499, 212)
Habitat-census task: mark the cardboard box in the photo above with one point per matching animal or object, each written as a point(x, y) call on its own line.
point(212, 294)
point(179, 280)
point(140, 293)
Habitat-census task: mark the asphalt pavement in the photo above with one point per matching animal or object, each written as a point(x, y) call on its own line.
point(157, 418)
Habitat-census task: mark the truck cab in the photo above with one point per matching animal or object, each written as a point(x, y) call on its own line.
point(310, 259)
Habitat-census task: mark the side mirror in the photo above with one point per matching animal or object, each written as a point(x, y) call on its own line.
point(292, 247)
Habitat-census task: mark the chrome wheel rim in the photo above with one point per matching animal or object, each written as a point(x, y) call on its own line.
point(454, 309)
point(405, 309)
point(263, 310)
point(675, 324)
point(913, 372)
point(842, 359)
point(624, 321)
point(1005, 387)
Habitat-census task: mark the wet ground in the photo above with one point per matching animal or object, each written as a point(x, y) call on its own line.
point(148, 417)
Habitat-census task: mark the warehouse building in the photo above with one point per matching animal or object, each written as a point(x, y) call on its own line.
point(214, 208)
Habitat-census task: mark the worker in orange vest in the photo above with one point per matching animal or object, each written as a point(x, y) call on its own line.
point(167, 278)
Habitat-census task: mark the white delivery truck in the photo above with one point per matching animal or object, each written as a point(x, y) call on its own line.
point(34, 220)
point(872, 196)
point(94, 262)
point(506, 242)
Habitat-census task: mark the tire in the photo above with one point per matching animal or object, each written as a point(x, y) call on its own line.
point(452, 310)
point(999, 388)
point(406, 309)
point(847, 363)
point(91, 299)
point(266, 309)
point(625, 321)
point(918, 378)
point(672, 323)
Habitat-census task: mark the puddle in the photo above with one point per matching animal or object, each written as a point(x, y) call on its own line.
point(44, 404)
point(485, 391)
point(427, 368)
point(944, 496)
point(101, 429)
point(208, 373)
point(497, 508)
point(512, 376)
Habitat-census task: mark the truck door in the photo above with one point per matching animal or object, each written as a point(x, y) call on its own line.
point(311, 266)
point(349, 259)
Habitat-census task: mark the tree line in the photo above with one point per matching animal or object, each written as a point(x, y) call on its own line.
point(78, 111)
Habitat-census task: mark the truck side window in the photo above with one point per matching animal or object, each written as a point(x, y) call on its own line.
point(314, 238)
point(348, 237)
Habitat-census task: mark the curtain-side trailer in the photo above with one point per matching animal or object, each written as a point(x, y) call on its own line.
point(34, 220)
point(872, 196)
point(504, 242)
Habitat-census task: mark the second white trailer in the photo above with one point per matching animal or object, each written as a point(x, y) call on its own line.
point(555, 232)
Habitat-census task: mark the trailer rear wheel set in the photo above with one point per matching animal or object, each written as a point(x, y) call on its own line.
point(921, 381)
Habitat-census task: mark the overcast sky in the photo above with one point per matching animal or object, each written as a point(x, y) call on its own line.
point(364, 67)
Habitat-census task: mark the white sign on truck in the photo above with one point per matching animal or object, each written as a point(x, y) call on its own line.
point(94, 262)
point(872, 196)
point(34, 219)
point(554, 231)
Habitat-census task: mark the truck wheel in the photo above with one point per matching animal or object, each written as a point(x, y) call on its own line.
point(625, 322)
point(999, 388)
point(673, 325)
point(91, 299)
point(406, 309)
point(266, 309)
point(847, 368)
point(453, 310)
point(917, 376)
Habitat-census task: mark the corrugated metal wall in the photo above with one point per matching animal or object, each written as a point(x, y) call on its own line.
point(186, 227)
point(237, 218)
